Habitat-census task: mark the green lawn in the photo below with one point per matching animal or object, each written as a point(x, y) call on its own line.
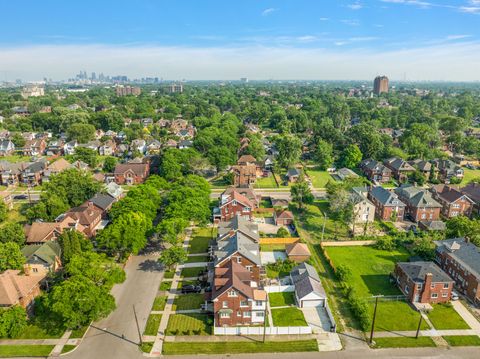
point(469, 175)
point(79, 332)
point(159, 303)
point(462, 340)
point(403, 342)
point(33, 331)
point(200, 240)
point(444, 316)
point(16, 158)
point(165, 286)
point(272, 247)
point(189, 324)
point(319, 178)
point(192, 272)
point(12, 351)
point(153, 322)
point(67, 348)
point(396, 315)
point(187, 282)
point(188, 301)
point(265, 182)
point(288, 317)
point(146, 347)
point(281, 299)
point(197, 259)
point(16, 215)
point(170, 348)
point(168, 274)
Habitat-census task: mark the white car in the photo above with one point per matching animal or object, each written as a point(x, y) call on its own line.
point(455, 296)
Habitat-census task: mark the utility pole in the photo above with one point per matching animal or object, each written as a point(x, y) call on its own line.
point(138, 326)
point(374, 317)
point(265, 318)
point(324, 222)
point(419, 325)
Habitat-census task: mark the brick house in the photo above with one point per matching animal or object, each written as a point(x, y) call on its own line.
point(247, 192)
point(400, 169)
point(472, 190)
point(420, 205)
point(424, 167)
point(32, 175)
point(454, 203)
point(376, 171)
point(232, 205)
point(131, 173)
point(88, 216)
point(460, 259)
point(35, 147)
point(388, 206)
point(246, 160)
point(423, 282)
point(283, 217)
point(244, 175)
point(41, 232)
point(447, 169)
point(18, 289)
point(237, 300)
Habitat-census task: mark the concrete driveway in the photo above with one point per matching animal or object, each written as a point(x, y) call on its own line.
point(317, 319)
point(272, 257)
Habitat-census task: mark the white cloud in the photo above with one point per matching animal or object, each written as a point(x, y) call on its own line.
point(450, 61)
point(324, 19)
point(470, 9)
point(457, 37)
point(268, 11)
point(355, 6)
point(350, 22)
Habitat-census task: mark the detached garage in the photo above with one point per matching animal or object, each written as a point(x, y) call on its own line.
point(309, 291)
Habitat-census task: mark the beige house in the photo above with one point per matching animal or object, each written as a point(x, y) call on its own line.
point(363, 209)
point(42, 259)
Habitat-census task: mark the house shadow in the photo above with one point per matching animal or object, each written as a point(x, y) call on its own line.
point(379, 284)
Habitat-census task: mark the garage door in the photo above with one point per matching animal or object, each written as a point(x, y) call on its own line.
point(312, 303)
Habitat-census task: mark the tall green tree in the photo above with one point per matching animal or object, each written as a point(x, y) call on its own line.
point(11, 256)
point(12, 232)
point(173, 255)
point(324, 155)
point(301, 193)
point(351, 156)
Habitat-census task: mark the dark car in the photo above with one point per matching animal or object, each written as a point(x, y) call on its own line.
point(191, 289)
point(20, 196)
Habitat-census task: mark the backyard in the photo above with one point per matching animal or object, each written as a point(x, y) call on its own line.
point(281, 299)
point(288, 317)
point(201, 238)
point(469, 175)
point(189, 324)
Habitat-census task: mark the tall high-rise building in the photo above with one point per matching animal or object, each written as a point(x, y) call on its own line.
point(380, 85)
point(175, 88)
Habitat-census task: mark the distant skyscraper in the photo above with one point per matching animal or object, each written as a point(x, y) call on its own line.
point(380, 85)
point(94, 76)
point(175, 88)
point(244, 79)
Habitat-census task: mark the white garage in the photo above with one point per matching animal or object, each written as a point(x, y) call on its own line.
point(309, 291)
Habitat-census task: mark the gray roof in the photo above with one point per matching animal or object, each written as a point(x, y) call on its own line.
point(237, 243)
point(466, 253)
point(417, 197)
point(239, 224)
point(306, 280)
point(102, 201)
point(293, 172)
point(42, 253)
point(417, 271)
point(343, 173)
point(386, 197)
point(374, 165)
point(433, 225)
point(399, 165)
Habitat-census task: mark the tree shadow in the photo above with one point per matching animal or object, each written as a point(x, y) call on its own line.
point(151, 265)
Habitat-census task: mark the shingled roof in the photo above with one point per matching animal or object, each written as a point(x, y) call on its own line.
point(466, 253)
point(417, 197)
point(386, 197)
point(416, 271)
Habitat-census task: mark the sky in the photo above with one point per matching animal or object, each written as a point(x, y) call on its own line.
point(225, 39)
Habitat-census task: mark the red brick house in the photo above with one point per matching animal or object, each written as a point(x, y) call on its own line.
point(18, 289)
point(420, 205)
point(34, 147)
point(247, 192)
point(88, 216)
point(460, 259)
point(376, 171)
point(131, 173)
point(244, 175)
point(400, 169)
point(454, 203)
point(232, 205)
point(423, 282)
point(388, 206)
point(237, 300)
point(472, 190)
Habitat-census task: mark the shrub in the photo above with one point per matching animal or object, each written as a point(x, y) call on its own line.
point(360, 310)
point(343, 272)
point(385, 243)
point(283, 232)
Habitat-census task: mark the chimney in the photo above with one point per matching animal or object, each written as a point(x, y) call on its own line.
point(425, 298)
point(26, 269)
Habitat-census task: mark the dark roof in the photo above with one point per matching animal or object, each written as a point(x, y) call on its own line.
point(416, 271)
point(293, 172)
point(103, 201)
point(472, 190)
point(306, 280)
point(386, 197)
point(466, 253)
point(238, 243)
point(417, 197)
point(433, 225)
point(399, 165)
point(449, 193)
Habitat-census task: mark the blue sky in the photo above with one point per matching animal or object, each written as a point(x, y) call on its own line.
point(210, 39)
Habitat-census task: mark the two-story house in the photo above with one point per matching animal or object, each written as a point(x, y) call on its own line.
point(447, 169)
point(420, 205)
point(363, 209)
point(454, 203)
point(400, 168)
point(131, 173)
point(35, 147)
point(376, 171)
point(233, 204)
point(388, 206)
point(6, 147)
point(88, 216)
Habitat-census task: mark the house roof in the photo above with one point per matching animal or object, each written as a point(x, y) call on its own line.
point(240, 198)
point(416, 271)
point(38, 231)
point(239, 224)
point(433, 225)
point(246, 191)
point(343, 173)
point(85, 214)
point(14, 286)
point(138, 168)
point(297, 249)
point(237, 243)
point(306, 281)
point(233, 275)
point(417, 197)
point(472, 190)
point(293, 172)
point(422, 165)
point(102, 201)
point(374, 165)
point(59, 165)
point(399, 164)
point(246, 159)
point(449, 193)
point(45, 253)
point(386, 197)
point(279, 202)
point(466, 253)
point(284, 214)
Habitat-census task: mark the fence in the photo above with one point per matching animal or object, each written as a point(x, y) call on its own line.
point(276, 240)
point(279, 288)
point(333, 324)
point(261, 330)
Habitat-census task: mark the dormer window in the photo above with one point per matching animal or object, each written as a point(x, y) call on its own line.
point(232, 293)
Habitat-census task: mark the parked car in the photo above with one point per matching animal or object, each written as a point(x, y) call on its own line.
point(455, 296)
point(20, 196)
point(191, 289)
point(470, 166)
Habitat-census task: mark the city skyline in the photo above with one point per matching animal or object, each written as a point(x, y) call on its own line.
point(335, 40)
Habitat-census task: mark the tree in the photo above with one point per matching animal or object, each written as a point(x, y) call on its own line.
point(18, 140)
point(86, 155)
point(289, 150)
point(301, 193)
point(173, 255)
point(12, 232)
point(283, 232)
point(77, 301)
point(170, 228)
point(3, 211)
point(109, 164)
point(72, 243)
point(13, 321)
point(417, 177)
point(11, 256)
point(462, 226)
point(324, 155)
point(82, 132)
point(351, 156)
point(340, 203)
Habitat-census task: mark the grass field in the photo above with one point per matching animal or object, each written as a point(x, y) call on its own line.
point(444, 316)
point(462, 340)
point(146, 347)
point(396, 315)
point(153, 322)
point(200, 239)
point(197, 259)
point(469, 175)
point(33, 331)
point(288, 317)
point(403, 342)
point(239, 347)
point(165, 286)
point(189, 324)
point(265, 182)
point(68, 348)
point(272, 247)
point(159, 302)
point(168, 274)
point(319, 178)
point(192, 272)
point(188, 301)
point(79, 332)
point(281, 299)
point(12, 351)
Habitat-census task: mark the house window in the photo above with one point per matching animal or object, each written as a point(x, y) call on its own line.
point(244, 303)
point(239, 259)
point(224, 315)
point(258, 303)
point(239, 313)
point(249, 268)
point(432, 285)
point(225, 304)
point(406, 289)
point(35, 270)
point(424, 216)
point(247, 314)
point(232, 293)
point(445, 285)
point(444, 295)
point(260, 314)
point(247, 209)
point(434, 295)
point(419, 286)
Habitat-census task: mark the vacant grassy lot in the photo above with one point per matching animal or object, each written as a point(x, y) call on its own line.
point(197, 259)
point(239, 347)
point(443, 316)
point(462, 340)
point(200, 239)
point(288, 317)
point(189, 324)
point(265, 182)
point(319, 178)
point(469, 175)
point(159, 302)
point(403, 342)
point(396, 315)
point(153, 322)
point(192, 272)
point(188, 301)
point(12, 351)
point(281, 299)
